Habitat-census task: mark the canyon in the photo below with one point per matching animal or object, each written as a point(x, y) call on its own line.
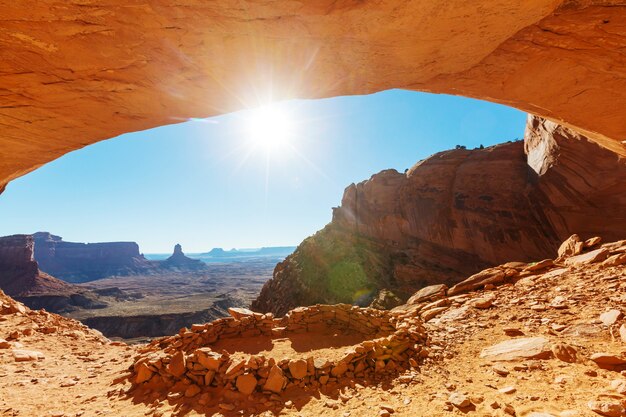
point(479, 282)
point(126, 296)
point(453, 214)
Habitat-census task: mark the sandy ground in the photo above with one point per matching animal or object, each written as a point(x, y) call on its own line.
point(331, 344)
point(82, 374)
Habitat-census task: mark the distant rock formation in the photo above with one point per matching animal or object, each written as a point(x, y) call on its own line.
point(453, 214)
point(178, 260)
point(19, 272)
point(81, 262)
point(21, 278)
point(277, 251)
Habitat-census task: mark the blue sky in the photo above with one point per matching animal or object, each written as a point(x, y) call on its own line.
point(191, 183)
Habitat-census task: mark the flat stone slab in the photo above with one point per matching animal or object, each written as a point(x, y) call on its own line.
point(432, 292)
point(588, 258)
point(239, 313)
point(607, 359)
point(611, 317)
point(518, 349)
point(23, 355)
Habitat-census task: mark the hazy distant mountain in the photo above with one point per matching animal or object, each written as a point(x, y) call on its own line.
point(278, 251)
point(221, 255)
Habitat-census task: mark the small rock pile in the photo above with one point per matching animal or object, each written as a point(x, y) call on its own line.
point(186, 364)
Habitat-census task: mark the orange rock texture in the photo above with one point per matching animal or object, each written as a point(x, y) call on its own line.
point(453, 214)
point(73, 73)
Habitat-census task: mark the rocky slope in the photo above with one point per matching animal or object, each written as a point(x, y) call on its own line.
point(545, 339)
point(140, 66)
point(453, 214)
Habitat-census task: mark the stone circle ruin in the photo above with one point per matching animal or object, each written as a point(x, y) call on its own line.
point(222, 354)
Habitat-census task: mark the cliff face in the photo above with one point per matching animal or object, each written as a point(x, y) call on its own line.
point(80, 262)
point(136, 65)
point(19, 273)
point(453, 214)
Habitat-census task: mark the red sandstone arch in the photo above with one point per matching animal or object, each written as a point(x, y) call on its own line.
point(76, 72)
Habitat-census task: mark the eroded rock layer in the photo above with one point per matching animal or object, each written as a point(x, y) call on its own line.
point(73, 73)
point(453, 214)
point(19, 273)
point(80, 262)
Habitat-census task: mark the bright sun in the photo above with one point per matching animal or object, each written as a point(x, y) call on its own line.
point(270, 127)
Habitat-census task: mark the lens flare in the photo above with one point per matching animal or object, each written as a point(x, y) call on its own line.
point(270, 127)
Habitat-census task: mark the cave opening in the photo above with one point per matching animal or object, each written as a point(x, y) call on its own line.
point(238, 192)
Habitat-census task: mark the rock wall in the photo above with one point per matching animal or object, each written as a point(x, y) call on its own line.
point(189, 362)
point(19, 272)
point(74, 74)
point(81, 262)
point(453, 214)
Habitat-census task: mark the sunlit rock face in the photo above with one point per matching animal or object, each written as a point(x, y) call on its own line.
point(74, 73)
point(453, 214)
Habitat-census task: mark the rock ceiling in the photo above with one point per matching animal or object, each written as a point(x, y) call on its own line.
point(79, 71)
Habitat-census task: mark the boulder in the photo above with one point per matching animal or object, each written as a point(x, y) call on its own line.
point(588, 258)
point(298, 368)
point(564, 352)
point(482, 302)
point(275, 380)
point(571, 246)
point(615, 260)
point(209, 359)
point(611, 317)
point(619, 385)
point(459, 400)
point(430, 293)
point(476, 281)
point(518, 349)
point(192, 390)
point(340, 369)
point(143, 373)
point(538, 266)
point(239, 313)
point(606, 408)
point(246, 384)
point(23, 355)
point(591, 242)
point(607, 359)
point(177, 365)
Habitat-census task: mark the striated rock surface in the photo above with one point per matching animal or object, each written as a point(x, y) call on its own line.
point(76, 74)
point(81, 262)
point(19, 273)
point(21, 278)
point(454, 214)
